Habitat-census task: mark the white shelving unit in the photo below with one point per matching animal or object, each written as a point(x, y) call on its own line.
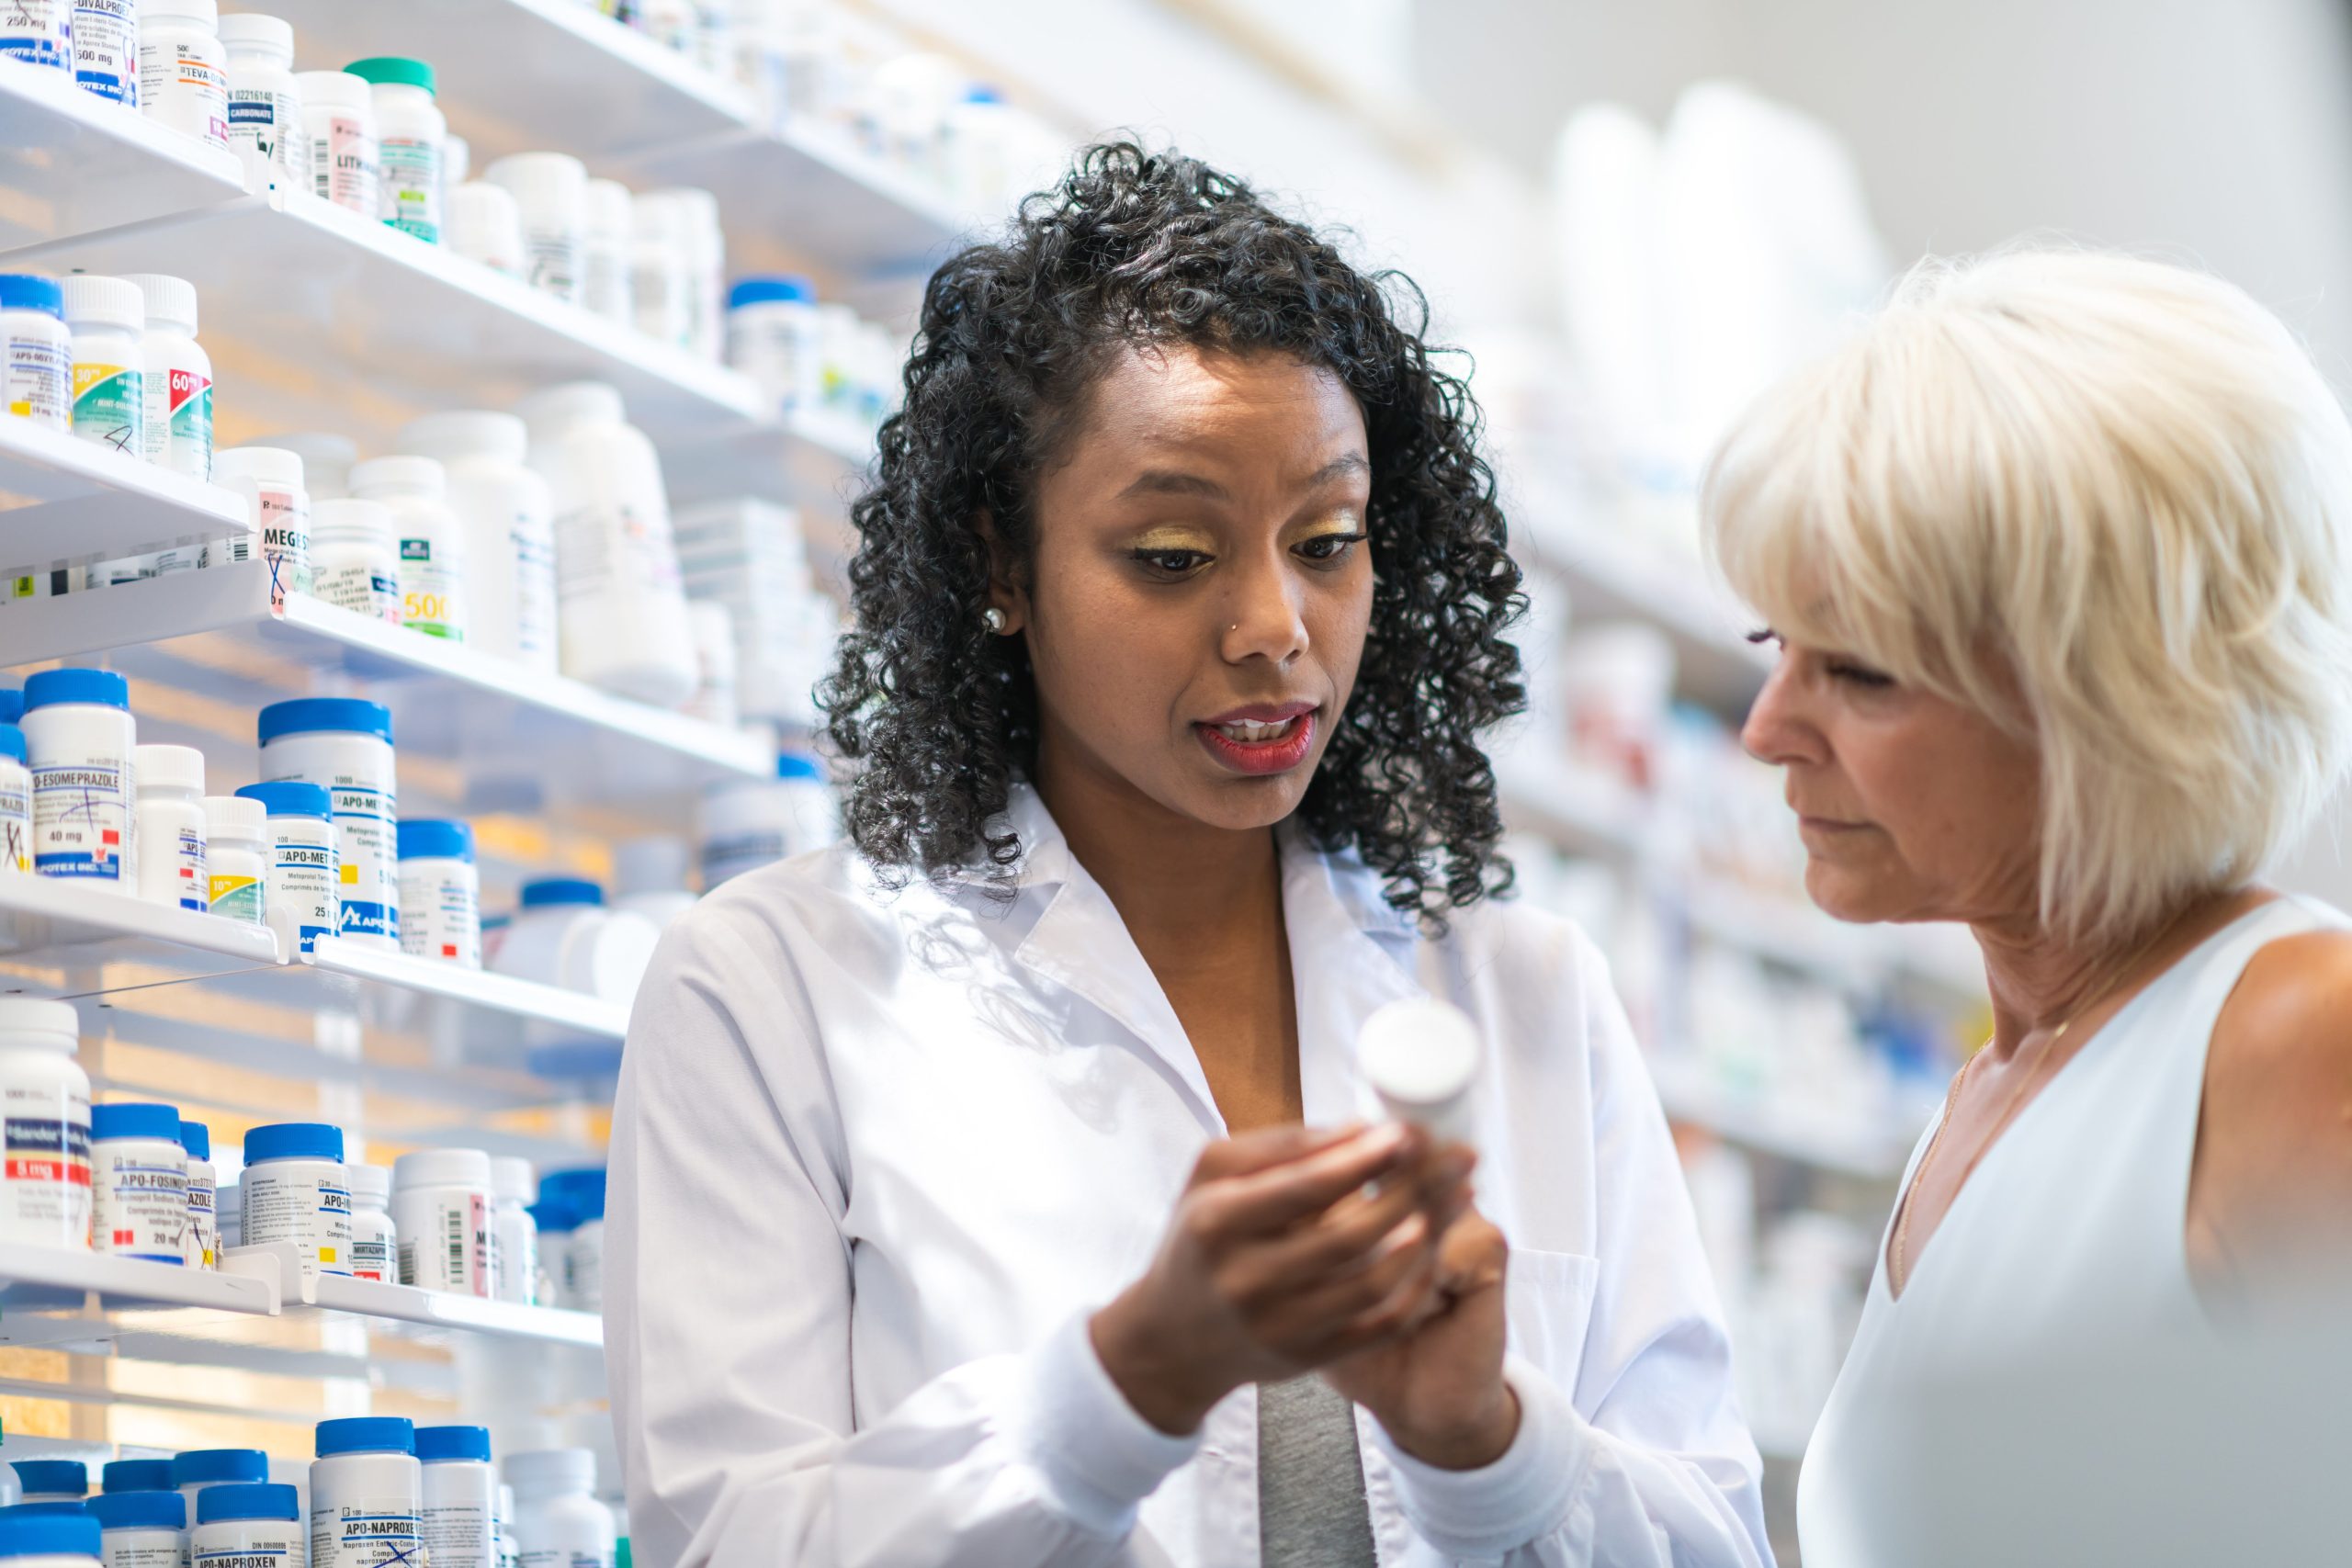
point(71, 163)
point(67, 500)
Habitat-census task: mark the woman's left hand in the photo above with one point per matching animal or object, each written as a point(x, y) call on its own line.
point(1440, 1390)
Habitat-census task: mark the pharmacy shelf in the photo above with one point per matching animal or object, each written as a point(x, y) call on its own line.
point(67, 500)
point(595, 88)
point(55, 934)
point(71, 162)
point(331, 305)
point(49, 1294)
point(503, 737)
point(407, 1305)
point(338, 970)
point(1773, 1126)
point(815, 462)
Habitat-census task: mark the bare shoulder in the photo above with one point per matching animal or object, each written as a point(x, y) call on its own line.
point(2290, 1021)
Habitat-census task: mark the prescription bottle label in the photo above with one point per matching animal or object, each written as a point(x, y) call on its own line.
point(343, 164)
point(411, 187)
point(81, 821)
point(107, 405)
point(193, 882)
point(106, 49)
point(429, 604)
point(238, 897)
point(39, 32)
point(286, 544)
point(40, 381)
point(191, 412)
point(366, 1532)
point(46, 1193)
point(16, 829)
point(305, 882)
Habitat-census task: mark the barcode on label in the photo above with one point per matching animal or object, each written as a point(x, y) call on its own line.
point(453, 1223)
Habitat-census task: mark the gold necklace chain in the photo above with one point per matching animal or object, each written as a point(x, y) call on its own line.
point(1900, 1277)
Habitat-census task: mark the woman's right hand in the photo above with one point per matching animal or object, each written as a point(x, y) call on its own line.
point(1279, 1259)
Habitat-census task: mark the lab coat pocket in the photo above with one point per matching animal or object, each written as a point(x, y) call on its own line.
point(1547, 1303)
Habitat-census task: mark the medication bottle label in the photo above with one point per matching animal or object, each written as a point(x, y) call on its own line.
point(140, 1204)
point(285, 542)
point(81, 819)
point(106, 49)
point(304, 884)
point(371, 1258)
point(367, 874)
point(188, 872)
point(343, 164)
point(310, 1213)
point(372, 1532)
point(203, 1236)
point(40, 381)
point(288, 1552)
point(439, 920)
point(189, 90)
point(191, 420)
point(362, 592)
point(15, 830)
point(562, 1557)
point(555, 260)
point(459, 1534)
point(107, 406)
point(430, 603)
point(46, 1190)
point(39, 32)
point(238, 897)
point(412, 186)
point(162, 1552)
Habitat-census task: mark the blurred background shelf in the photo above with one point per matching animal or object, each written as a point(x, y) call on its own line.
point(63, 499)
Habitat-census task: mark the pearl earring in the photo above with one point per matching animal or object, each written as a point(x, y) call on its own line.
point(994, 619)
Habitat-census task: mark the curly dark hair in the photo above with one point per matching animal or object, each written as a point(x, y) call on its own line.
point(1136, 248)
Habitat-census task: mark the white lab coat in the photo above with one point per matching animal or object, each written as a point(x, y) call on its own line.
point(877, 1158)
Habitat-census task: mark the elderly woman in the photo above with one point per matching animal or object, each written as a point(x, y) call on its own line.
point(2055, 551)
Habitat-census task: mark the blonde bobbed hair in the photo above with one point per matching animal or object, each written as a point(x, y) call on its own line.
point(2104, 500)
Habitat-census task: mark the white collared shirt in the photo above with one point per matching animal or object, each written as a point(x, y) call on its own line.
point(877, 1158)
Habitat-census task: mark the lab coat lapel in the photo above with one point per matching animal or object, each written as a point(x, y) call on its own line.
point(1351, 955)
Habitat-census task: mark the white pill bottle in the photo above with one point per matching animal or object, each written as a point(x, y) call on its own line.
point(178, 376)
point(442, 1204)
point(37, 374)
point(365, 1494)
point(169, 826)
point(108, 319)
point(550, 192)
point(271, 481)
point(509, 515)
point(339, 120)
point(142, 1529)
point(558, 1521)
point(461, 1511)
point(183, 70)
point(622, 608)
point(264, 111)
point(375, 1242)
point(410, 135)
point(355, 558)
point(294, 1191)
point(138, 1183)
point(514, 1235)
point(302, 903)
point(195, 1471)
point(432, 540)
point(236, 858)
point(79, 738)
point(15, 804)
point(249, 1525)
point(440, 893)
point(344, 745)
point(201, 1242)
point(45, 1097)
point(106, 49)
point(48, 1541)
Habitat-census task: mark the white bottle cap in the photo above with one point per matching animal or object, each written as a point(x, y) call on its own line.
point(466, 433)
point(541, 179)
point(371, 1185)
point(103, 301)
point(333, 89)
point(248, 32)
point(54, 1022)
point(167, 767)
point(1421, 1056)
point(267, 464)
point(550, 409)
point(544, 1472)
point(171, 301)
point(326, 460)
point(441, 1168)
point(510, 1177)
point(399, 476)
point(235, 817)
point(345, 518)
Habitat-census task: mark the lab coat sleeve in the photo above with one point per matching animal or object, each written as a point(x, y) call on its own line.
point(728, 1329)
point(1646, 1463)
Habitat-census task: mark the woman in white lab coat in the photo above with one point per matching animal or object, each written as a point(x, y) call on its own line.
point(983, 1190)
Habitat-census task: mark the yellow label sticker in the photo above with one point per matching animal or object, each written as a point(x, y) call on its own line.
point(350, 869)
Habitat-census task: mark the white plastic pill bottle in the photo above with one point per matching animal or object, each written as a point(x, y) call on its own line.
point(264, 110)
point(510, 529)
point(704, 247)
point(39, 32)
point(142, 1529)
point(510, 1553)
point(108, 318)
point(200, 1243)
point(410, 132)
point(183, 70)
point(608, 250)
point(657, 271)
point(169, 782)
point(304, 902)
point(249, 1525)
point(294, 1191)
point(579, 1195)
point(460, 1512)
point(366, 1493)
point(440, 893)
point(564, 936)
point(772, 337)
point(178, 376)
point(79, 737)
point(355, 558)
point(236, 858)
point(339, 122)
point(558, 1521)
point(550, 192)
point(375, 1253)
point(553, 1223)
point(432, 540)
point(345, 745)
point(486, 226)
point(45, 1098)
point(271, 481)
point(715, 699)
point(195, 1471)
point(749, 823)
point(514, 1235)
point(441, 1207)
point(622, 608)
point(36, 351)
point(15, 804)
point(48, 1541)
point(138, 1182)
point(106, 49)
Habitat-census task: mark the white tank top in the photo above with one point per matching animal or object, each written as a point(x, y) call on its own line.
point(2072, 1224)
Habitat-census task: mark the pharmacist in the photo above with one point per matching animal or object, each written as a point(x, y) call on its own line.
point(983, 1190)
